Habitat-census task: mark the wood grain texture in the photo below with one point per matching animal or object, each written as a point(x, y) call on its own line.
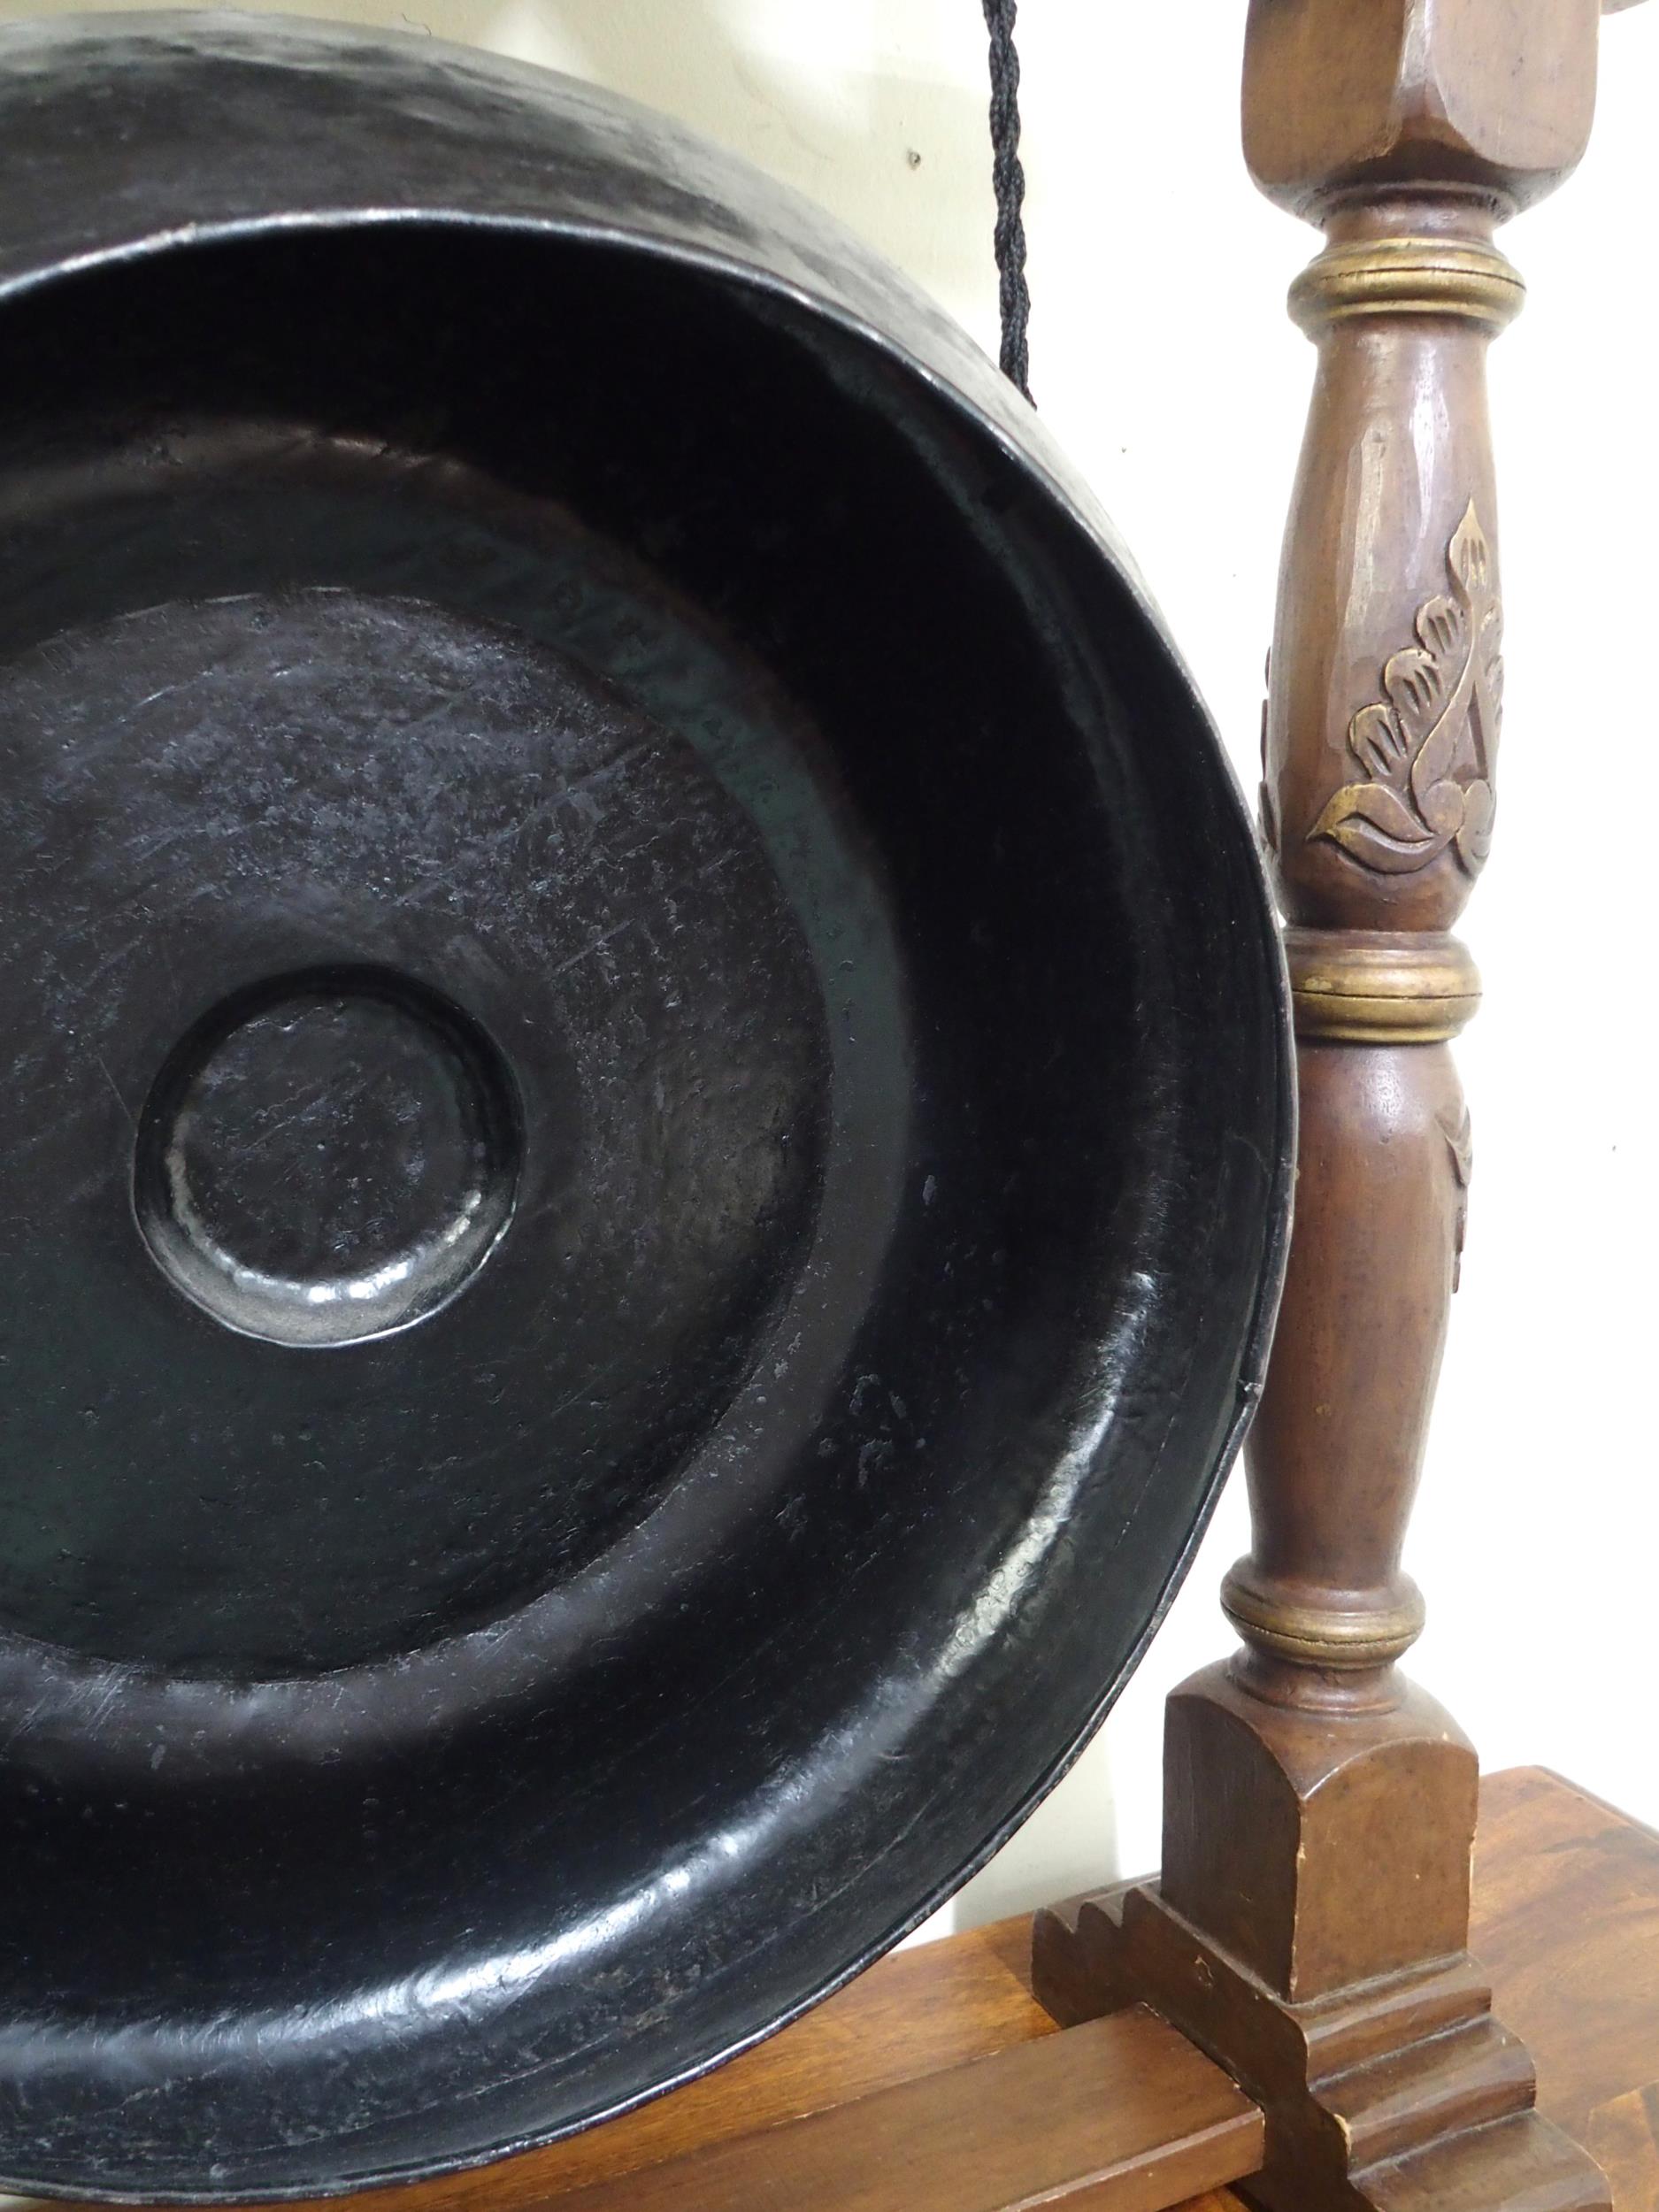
point(1118, 2115)
point(1402, 2091)
point(1566, 1920)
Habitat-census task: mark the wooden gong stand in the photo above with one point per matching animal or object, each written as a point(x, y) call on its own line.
point(1292, 2006)
point(1310, 1927)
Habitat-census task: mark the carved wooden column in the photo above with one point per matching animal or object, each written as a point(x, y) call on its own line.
point(1311, 1924)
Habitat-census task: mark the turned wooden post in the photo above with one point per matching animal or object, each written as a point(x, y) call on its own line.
point(1309, 1927)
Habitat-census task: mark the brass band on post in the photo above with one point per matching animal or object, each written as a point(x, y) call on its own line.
point(1379, 986)
point(1322, 1634)
point(1408, 276)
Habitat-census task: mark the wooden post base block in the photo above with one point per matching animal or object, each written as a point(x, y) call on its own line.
point(1277, 1890)
point(1349, 2010)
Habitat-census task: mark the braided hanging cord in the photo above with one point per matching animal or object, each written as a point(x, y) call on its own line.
point(1014, 295)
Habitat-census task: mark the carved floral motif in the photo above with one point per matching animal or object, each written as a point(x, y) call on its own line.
point(1426, 746)
point(1459, 1142)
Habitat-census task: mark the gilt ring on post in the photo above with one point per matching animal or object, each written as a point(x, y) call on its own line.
point(1461, 278)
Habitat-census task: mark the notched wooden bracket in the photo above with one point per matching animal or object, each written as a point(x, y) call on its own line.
point(1400, 2094)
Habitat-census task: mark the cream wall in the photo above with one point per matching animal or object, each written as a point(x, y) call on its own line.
point(1161, 357)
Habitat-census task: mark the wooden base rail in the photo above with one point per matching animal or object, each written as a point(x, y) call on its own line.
point(1121, 2115)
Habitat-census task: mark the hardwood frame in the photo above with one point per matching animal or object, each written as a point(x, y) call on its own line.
point(1310, 1927)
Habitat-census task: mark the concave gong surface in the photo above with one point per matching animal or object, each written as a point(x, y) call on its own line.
point(646, 1114)
point(381, 926)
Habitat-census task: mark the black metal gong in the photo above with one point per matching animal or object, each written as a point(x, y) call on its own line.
point(644, 1147)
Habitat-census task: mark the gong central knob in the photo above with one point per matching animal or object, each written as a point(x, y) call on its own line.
point(327, 1157)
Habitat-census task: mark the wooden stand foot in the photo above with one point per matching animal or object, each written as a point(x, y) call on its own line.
point(1348, 2008)
point(1399, 2095)
point(1312, 1941)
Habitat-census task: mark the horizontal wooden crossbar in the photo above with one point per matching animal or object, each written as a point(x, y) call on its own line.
point(1120, 2115)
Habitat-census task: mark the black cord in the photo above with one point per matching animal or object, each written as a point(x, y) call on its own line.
point(1014, 294)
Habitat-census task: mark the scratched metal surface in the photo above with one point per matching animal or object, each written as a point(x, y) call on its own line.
point(645, 1114)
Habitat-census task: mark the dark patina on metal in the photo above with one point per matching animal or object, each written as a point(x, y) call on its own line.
point(647, 1118)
